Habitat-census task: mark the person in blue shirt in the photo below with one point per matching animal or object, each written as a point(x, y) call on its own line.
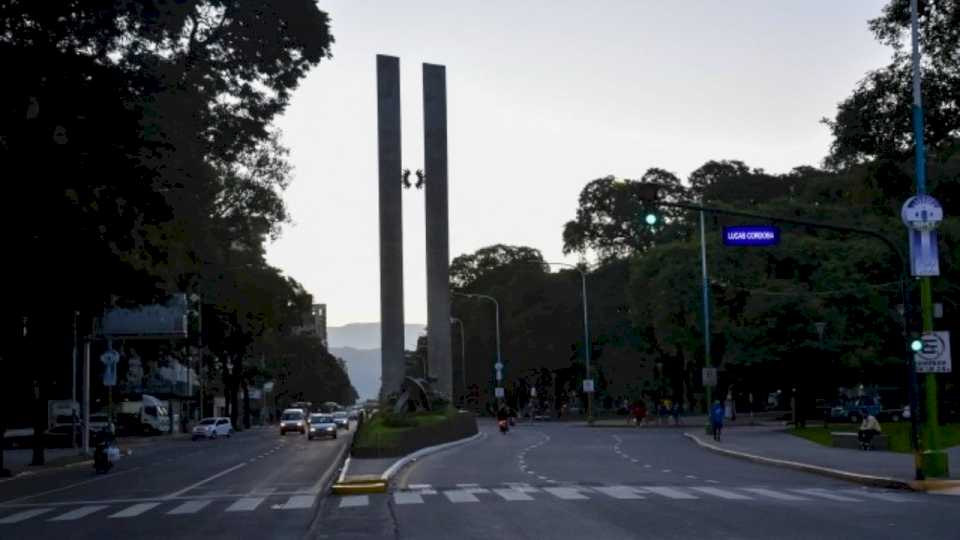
point(716, 419)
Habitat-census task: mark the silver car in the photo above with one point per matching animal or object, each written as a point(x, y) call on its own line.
point(322, 425)
point(342, 418)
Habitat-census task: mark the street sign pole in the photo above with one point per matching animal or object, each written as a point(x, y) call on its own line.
point(934, 460)
point(708, 389)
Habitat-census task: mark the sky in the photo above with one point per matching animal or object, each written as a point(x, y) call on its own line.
point(544, 96)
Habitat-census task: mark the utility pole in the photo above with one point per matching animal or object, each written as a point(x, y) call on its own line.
point(73, 386)
point(707, 362)
point(934, 461)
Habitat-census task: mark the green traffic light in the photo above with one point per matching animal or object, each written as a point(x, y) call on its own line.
point(916, 345)
point(651, 219)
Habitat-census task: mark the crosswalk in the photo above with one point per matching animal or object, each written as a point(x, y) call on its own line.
point(119, 511)
point(521, 492)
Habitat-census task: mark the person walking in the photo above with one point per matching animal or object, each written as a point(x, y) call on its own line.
point(716, 419)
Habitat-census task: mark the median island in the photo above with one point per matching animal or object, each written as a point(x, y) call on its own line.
point(390, 434)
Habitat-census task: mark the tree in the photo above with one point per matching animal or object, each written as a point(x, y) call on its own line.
point(466, 270)
point(875, 122)
point(610, 215)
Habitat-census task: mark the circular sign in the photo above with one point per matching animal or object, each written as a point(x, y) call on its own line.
point(921, 213)
point(498, 366)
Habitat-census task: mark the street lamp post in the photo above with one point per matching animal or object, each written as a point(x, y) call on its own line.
point(496, 305)
point(463, 354)
point(586, 331)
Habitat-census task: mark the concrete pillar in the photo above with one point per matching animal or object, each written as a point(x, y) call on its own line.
point(438, 235)
point(391, 224)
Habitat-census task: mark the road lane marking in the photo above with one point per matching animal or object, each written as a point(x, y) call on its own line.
point(418, 486)
point(635, 460)
point(71, 486)
point(669, 492)
point(722, 493)
point(468, 485)
point(775, 494)
point(712, 482)
point(566, 493)
point(619, 492)
point(531, 472)
point(542, 477)
point(510, 494)
point(666, 470)
point(407, 497)
point(460, 496)
point(889, 497)
point(692, 477)
point(25, 515)
point(189, 507)
point(81, 512)
point(204, 481)
point(647, 466)
point(350, 501)
point(134, 510)
point(297, 502)
point(826, 495)
point(246, 504)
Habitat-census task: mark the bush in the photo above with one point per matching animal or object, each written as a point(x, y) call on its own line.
point(397, 420)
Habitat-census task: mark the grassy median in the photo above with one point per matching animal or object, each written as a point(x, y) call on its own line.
point(384, 429)
point(897, 432)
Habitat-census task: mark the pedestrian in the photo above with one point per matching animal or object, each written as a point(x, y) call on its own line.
point(639, 412)
point(869, 429)
point(716, 419)
point(675, 412)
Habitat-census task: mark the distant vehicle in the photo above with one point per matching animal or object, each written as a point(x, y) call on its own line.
point(856, 409)
point(354, 413)
point(322, 425)
point(293, 420)
point(211, 428)
point(342, 419)
point(145, 416)
point(60, 412)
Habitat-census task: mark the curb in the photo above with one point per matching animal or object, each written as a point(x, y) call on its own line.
point(374, 483)
point(423, 452)
point(864, 479)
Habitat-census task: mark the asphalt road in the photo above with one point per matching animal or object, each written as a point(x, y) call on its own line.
point(561, 481)
point(255, 484)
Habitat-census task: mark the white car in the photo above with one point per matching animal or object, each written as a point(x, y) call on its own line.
point(211, 428)
point(293, 420)
point(322, 425)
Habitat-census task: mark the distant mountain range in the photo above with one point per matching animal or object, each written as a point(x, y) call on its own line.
point(359, 346)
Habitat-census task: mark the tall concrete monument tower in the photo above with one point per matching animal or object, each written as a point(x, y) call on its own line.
point(437, 224)
point(392, 177)
point(391, 225)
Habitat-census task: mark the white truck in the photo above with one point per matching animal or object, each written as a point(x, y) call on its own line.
point(149, 415)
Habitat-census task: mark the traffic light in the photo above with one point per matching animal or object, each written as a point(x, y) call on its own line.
point(916, 345)
point(651, 219)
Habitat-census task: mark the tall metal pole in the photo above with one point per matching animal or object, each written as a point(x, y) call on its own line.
point(587, 346)
point(707, 362)
point(86, 396)
point(73, 386)
point(586, 343)
point(496, 305)
point(463, 354)
point(935, 463)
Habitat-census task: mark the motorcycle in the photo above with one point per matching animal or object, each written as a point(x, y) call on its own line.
point(104, 454)
point(503, 426)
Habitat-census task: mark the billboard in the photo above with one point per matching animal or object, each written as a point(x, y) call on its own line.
point(158, 321)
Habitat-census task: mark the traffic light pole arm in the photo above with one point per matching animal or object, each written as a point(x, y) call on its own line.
point(904, 269)
point(905, 298)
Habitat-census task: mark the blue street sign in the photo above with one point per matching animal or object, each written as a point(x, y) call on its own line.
point(751, 235)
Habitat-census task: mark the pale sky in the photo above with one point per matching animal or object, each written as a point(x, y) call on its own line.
point(542, 97)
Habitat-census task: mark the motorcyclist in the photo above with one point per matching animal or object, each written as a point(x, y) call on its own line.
point(503, 417)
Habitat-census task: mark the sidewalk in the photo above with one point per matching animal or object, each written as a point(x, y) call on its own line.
point(776, 443)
